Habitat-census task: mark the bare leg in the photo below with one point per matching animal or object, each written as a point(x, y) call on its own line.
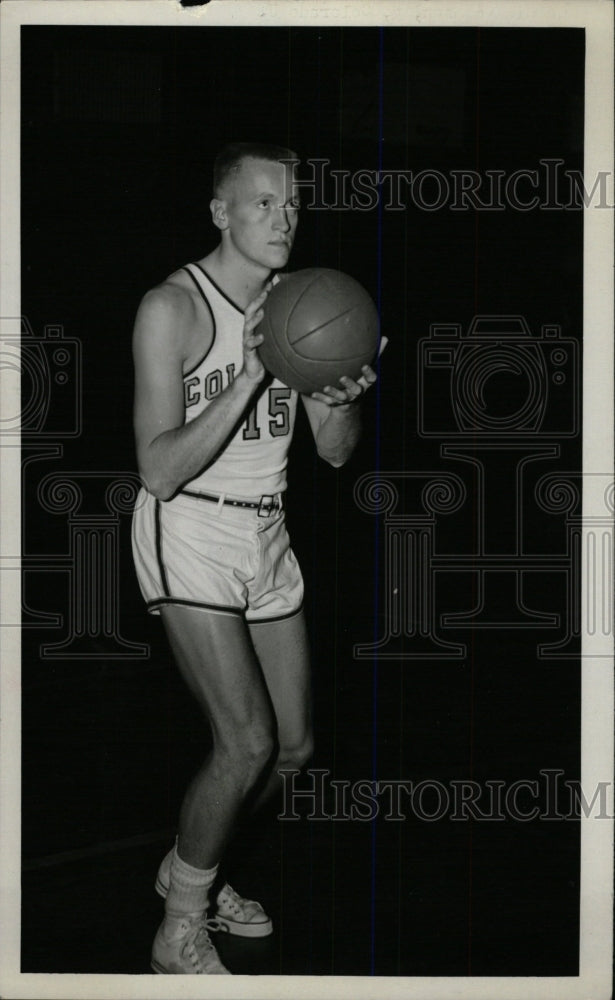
point(283, 652)
point(216, 659)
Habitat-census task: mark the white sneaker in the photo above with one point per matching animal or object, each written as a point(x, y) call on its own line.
point(189, 952)
point(243, 917)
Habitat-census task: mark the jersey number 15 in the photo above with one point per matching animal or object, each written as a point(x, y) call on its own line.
point(279, 411)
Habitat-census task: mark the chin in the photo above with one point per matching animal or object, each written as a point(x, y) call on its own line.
point(278, 259)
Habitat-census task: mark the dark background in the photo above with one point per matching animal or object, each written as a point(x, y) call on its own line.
point(120, 127)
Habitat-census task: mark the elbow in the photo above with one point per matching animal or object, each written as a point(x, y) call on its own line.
point(163, 491)
point(335, 461)
point(156, 484)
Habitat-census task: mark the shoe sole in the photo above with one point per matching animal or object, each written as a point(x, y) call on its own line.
point(263, 929)
point(161, 971)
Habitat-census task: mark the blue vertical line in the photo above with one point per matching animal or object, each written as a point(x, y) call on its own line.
point(315, 508)
point(376, 531)
point(472, 659)
point(338, 516)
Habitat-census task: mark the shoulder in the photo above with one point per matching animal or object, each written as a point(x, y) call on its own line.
point(172, 308)
point(164, 323)
point(171, 300)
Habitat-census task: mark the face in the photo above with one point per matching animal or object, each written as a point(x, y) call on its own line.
point(258, 213)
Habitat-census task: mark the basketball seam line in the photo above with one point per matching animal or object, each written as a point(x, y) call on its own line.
point(322, 325)
point(297, 301)
point(283, 358)
point(285, 361)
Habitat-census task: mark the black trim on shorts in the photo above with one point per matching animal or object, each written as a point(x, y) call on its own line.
point(278, 618)
point(161, 601)
point(213, 320)
point(220, 290)
point(161, 569)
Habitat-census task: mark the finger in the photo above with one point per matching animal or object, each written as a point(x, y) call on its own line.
point(353, 388)
point(255, 305)
point(367, 378)
point(253, 341)
point(322, 398)
point(251, 322)
point(335, 397)
point(339, 395)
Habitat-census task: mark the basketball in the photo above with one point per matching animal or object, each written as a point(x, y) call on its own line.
point(319, 324)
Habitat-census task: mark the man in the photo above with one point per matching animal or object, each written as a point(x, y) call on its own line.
point(211, 549)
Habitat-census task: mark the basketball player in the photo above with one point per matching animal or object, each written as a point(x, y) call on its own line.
point(210, 544)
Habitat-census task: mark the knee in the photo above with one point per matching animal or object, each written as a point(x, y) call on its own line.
point(296, 753)
point(259, 746)
point(249, 749)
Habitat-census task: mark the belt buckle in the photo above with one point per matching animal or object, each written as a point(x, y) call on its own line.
point(266, 505)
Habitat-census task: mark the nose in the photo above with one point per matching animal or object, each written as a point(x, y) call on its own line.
point(281, 221)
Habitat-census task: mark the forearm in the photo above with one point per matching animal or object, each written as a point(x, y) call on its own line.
point(177, 455)
point(339, 434)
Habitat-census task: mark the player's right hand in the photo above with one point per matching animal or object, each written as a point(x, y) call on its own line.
point(252, 364)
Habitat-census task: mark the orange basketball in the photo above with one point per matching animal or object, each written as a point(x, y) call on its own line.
point(319, 324)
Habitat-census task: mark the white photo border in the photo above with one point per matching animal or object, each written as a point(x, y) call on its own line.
point(596, 925)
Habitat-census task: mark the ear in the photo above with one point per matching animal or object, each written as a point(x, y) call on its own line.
point(218, 213)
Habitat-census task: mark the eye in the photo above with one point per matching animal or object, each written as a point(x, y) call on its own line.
point(264, 202)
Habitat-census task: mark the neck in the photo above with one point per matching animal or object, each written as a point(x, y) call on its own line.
point(241, 280)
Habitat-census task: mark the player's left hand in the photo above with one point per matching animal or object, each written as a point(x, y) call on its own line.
point(349, 390)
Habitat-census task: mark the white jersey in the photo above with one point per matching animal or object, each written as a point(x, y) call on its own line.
point(253, 462)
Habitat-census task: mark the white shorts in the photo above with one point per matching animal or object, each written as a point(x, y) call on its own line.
point(194, 552)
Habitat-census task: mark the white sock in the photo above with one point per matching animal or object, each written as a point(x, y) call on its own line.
point(188, 894)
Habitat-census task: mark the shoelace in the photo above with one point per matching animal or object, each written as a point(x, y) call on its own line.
point(231, 897)
point(213, 924)
point(199, 944)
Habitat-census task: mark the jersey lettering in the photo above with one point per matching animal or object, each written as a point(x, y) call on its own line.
point(213, 384)
point(191, 396)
